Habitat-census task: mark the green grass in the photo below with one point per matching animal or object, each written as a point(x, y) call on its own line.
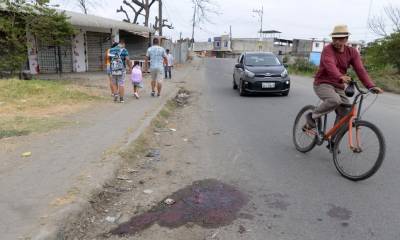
point(30, 106)
point(21, 126)
point(41, 93)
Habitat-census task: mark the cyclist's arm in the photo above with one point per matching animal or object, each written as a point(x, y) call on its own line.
point(360, 70)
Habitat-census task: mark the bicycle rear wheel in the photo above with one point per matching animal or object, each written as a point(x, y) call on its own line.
point(304, 140)
point(363, 161)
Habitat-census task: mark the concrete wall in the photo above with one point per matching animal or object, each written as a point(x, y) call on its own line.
point(252, 45)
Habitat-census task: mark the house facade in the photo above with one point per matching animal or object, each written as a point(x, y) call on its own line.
point(87, 47)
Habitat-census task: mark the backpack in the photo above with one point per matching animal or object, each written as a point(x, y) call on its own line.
point(117, 65)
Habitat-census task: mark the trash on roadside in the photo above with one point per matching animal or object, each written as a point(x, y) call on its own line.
point(153, 153)
point(123, 178)
point(185, 139)
point(169, 201)
point(26, 154)
point(132, 170)
point(111, 219)
point(148, 191)
point(173, 129)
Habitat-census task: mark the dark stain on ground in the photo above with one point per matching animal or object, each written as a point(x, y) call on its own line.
point(344, 224)
point(208, 203)
point(277, 201)
point(339, 213)
point(246, 216)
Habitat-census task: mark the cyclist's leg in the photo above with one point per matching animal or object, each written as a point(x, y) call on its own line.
point(340, 110)
point(330, 100)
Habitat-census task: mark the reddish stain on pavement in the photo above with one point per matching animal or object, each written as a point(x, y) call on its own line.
point(208, 203)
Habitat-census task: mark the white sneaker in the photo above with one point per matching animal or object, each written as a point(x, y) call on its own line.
point(136, 95)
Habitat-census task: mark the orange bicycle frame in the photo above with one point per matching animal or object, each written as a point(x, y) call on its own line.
point(350, 117)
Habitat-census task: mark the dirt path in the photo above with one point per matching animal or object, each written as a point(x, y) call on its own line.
point(67, 164)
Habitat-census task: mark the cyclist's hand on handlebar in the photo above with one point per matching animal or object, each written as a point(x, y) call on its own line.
point(376, 90)
point(345, 79)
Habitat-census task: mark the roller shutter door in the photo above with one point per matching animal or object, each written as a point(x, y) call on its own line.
point(97, 44)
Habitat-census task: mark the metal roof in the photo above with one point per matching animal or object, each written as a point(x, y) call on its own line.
point(86, 20)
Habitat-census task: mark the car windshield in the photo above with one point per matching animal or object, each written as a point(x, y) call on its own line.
point(262, 60)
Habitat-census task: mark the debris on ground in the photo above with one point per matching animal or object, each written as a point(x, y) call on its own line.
point(148, 191)
point(242, 229)
point(153, 153)
point(123, 178)
point(26, 154)
point(169, 201)
point(111, 219)
point(182, 97)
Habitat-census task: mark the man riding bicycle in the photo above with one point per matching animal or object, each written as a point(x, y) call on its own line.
point(330, 80)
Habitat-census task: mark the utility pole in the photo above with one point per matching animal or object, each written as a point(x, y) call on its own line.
point(260, 13)
point(194, 22)
point(160, 18)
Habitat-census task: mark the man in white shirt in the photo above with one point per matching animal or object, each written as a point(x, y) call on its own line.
point(168, 65)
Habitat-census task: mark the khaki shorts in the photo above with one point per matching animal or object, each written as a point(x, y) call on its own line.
point(157, 75)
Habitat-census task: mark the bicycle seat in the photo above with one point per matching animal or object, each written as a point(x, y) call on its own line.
point(346, 105)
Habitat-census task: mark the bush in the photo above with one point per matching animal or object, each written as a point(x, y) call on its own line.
point(302, 65)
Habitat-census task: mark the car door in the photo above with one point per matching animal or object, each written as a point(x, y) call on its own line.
point(238, 71)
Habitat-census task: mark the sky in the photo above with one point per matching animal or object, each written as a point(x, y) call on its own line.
point(302, 19)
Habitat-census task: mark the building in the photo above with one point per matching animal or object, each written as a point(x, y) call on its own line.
point(227, 47)
point(318, 46)
point(87, 48)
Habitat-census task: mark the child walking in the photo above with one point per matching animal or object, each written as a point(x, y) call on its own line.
point(137, 79)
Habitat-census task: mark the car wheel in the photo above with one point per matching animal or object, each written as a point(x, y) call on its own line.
point(235, 86)
point(242, 92)
point(285, 93)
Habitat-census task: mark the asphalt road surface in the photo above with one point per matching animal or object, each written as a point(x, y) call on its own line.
point(295, 195)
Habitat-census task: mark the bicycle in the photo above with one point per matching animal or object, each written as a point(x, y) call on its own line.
point(346, 128)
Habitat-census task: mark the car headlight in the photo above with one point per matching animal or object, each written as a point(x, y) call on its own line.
point(249, 74)
point(284, 73)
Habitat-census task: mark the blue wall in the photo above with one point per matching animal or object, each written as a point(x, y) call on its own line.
point(315, 58)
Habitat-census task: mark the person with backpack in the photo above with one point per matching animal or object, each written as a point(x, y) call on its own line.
point(137, 79)
point(108, 68)
point(119, 62)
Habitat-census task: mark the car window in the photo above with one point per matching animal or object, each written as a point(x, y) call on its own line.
point(262, 60)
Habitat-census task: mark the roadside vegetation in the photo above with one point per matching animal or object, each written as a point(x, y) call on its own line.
point(39, 105)
point(381, 57)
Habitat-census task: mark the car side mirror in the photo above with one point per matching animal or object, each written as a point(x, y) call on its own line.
point(286, 65)
point(239, 65)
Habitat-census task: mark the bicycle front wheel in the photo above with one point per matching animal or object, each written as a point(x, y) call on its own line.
point(365, 158)
point(304, 140)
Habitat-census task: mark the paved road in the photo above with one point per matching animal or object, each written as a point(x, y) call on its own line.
point(298, 196)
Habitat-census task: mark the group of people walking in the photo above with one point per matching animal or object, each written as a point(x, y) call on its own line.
point(118, 65)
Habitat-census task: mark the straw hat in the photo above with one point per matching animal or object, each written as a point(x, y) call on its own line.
point(340, 31)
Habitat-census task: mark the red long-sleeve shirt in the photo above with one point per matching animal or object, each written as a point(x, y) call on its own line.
point(334, 64)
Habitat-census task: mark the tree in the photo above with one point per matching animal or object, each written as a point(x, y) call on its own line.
point(201, 11)
point(378, 23)
point(139, 8)
point(41, 21)
point(84, 5)
point(386, 50)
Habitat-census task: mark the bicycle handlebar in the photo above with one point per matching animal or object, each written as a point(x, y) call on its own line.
point(354, 83)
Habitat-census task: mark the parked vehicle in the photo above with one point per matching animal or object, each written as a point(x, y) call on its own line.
point(260, 72)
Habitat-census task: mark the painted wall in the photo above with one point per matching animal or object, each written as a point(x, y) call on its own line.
point(32, 53)
point(315, 58)
point(78, 52)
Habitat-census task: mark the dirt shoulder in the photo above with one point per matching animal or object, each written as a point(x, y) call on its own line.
point(165, 164)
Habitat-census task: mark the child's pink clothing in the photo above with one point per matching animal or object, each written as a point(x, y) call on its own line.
point(136, 75)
